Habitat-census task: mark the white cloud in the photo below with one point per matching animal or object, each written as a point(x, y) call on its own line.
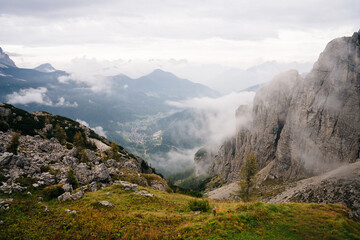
point(98, 129)
point(238, 34)
point(91, 72)
point(220, 114)
point(82, 122)
point(29, 95)
point(62, 103)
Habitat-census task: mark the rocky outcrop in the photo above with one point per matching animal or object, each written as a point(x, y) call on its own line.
point(304, 126)
point(341, 185)
point(5, 60)
point(42, 161)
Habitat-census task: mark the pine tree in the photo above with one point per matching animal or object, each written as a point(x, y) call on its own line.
point(14, 143)
point(79, 141)
point(60, 134)
point(84, 156)
point(248, 176)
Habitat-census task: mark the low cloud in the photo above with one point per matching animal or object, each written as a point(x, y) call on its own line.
point(98, 129)
point(30, 95)
point(219, 112)
point(37, 95)
point(91, 72)
point(174, 160)
point(63, 103)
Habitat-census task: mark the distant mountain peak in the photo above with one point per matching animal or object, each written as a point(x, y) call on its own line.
point(5, 59)
point(160, 72)
point(46, 67)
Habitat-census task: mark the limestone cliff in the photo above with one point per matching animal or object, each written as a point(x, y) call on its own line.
point(302, 126)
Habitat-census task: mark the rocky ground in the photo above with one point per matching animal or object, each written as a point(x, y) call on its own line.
point(341, 185)
point(41, 161)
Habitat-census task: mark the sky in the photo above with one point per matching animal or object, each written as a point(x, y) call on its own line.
point(197, 40)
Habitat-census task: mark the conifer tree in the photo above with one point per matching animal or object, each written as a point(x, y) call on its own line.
point(14, 143)
point(248, 176)
point(60, 134)
point(79, 141)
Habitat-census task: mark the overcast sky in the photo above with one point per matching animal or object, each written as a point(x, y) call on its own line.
point(192, 38)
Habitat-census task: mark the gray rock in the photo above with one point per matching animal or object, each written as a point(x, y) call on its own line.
point(5, 158)
point(78, 195)
point(101, 173)
point(106, 203)
point(91, 155)
point(11, 188)
point(93, 187)
point(144, 193)
point(65, 197)
point(70, 197)
point(46, 209)
point(67, 187)
point(127, 186)
point(69, 211)
point(83, 174)
point(48, 128)
point(131, 165)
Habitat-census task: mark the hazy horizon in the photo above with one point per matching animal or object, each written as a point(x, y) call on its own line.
point(202, 43)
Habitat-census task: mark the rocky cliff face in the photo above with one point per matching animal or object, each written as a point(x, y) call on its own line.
point(45, 157)
point(5, 60)
point(303, 127)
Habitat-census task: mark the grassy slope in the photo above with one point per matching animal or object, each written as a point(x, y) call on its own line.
point(167, 216)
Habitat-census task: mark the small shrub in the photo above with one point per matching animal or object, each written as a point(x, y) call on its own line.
point(72, 179)
point(199, 205)
point(3, 178)
point(14, 143)
point(60, 134)
point(84, 157)
point(45, 169)
point(52, 192)
point(26, 182)
point(68, 145)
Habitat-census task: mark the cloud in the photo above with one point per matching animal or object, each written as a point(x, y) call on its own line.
point(37, 95)
point(62, 103)
point(29, 95)
point(174, 160)
point(98, 129)
point(216, 118)
point(91, 72)
point(82, 122)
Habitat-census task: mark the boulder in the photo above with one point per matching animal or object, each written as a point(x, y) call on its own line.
point(67, 187)
point(105, 203)
point(83, 174)
point(101, 173)
point(93, 187)
point(70, 197)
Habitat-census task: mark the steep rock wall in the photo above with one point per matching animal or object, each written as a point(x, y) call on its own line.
point(307, 126)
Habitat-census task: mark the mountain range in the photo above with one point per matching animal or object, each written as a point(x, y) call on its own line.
point(127, 111)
